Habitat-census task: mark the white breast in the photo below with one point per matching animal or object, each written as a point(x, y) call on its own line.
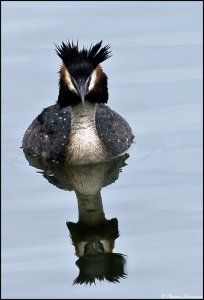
point(84, 144)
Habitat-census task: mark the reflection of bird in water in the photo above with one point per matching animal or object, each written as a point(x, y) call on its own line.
point(80, 128)
point(93, 236)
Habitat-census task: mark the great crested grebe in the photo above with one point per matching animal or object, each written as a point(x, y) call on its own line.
point(80, 128)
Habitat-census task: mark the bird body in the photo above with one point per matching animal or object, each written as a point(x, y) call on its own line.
point(80, 128)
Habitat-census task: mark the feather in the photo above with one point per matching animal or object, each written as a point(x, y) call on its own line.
point(70, 53)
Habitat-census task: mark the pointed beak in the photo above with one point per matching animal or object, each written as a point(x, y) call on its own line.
point(82, 90)
point(93, 248)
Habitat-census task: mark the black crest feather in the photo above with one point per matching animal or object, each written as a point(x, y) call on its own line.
point(95, 55)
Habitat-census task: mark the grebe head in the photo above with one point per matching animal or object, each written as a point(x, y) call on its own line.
point(81, 76)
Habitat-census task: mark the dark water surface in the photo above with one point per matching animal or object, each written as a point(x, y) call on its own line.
point(154, 203)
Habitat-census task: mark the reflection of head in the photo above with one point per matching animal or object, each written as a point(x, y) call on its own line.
point(102, 266)
point(82, 232)
point(94, 246)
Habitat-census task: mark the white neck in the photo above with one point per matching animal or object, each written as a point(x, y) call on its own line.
point(84, 144)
